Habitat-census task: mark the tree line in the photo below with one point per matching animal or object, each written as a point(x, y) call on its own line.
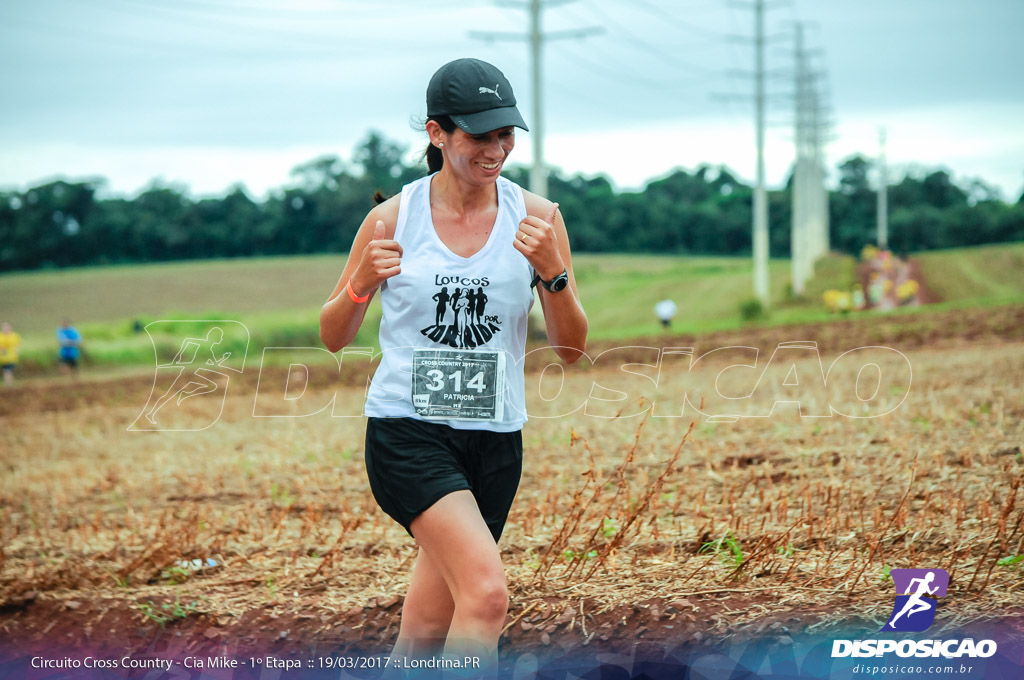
point(703, 212)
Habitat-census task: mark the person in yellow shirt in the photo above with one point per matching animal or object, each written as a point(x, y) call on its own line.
point(9, 343)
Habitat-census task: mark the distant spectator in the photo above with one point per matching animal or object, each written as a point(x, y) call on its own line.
point(137, 326)
point(844, 301)
point(69, 341)
point(858, 297)
point(887, 261)
point(876, 290)
point(831, 299)
point(666, 309)
point(837, 301)
point(906, 292)
point(9, 343)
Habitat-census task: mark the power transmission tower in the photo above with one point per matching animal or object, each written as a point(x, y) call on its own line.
point(810, 225)
point(801, 230)
point(536, 38)
point(883, 194)
point(810, 221)
point(822, 126)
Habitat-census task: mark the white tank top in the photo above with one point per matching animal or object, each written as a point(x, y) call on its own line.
point(445, 301)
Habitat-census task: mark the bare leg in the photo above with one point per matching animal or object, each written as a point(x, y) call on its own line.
point(426, 613)
point(454, 534)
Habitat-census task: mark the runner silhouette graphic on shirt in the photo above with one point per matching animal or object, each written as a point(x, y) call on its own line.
point(195, 381)
point(468, 328)
point(442, 305)
point(914, 603)
point(471, 306)
point(481, 302)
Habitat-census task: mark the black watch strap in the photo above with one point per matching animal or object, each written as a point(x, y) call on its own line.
point(551, 286)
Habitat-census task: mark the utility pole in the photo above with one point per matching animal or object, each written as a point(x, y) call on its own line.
point(760, 236)
point(800, 236)
point(536, 38)
point(538, 173)
point(883, 194)
point(759, 229)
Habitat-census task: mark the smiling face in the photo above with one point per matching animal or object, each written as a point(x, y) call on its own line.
point(476, 159)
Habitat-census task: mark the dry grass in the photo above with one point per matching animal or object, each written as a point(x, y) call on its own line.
point(786, 514)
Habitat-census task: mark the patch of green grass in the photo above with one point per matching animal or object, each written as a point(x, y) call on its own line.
point(609, 527)
point(727, 548)
point(36, 301)
point(280, 495)
point(619, 292)
point(176, 574)
point(1010, 561)
point(984, 272)
point(570, 555)
point(278, 299)
point(167, 611)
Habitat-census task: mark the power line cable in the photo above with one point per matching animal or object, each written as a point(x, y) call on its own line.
point(610, 102)
point(659, 12)
point(644, 45)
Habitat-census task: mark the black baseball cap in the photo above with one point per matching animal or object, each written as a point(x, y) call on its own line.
point(475, 95)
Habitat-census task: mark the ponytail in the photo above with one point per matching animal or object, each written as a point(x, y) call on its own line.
point(432, 154)
point(435, 159)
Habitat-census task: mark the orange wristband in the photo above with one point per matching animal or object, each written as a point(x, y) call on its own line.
point(352, 294)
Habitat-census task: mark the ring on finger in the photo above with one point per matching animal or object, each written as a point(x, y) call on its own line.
point(523, 237)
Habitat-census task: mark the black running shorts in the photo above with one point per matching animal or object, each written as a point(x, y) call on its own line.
point(412, 464)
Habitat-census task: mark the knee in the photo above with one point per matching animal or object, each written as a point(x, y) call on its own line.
point(487, 601)
point(429, 623)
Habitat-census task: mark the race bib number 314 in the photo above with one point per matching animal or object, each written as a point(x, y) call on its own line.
point(454, 384)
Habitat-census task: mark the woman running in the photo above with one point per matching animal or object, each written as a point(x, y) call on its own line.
point(446, 407)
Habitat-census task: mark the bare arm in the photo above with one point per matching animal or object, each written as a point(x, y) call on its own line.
point(547, 249)
point(373, 259)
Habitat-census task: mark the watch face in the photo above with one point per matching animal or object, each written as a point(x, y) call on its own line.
point(559, 283)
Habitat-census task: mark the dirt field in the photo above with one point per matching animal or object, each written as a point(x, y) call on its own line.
point(626, 527)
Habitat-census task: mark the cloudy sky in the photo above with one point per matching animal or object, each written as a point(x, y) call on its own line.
point(210, 93)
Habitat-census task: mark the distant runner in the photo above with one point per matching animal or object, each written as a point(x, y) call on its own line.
point(666, 309)
point(9, 344)
point(69, 342)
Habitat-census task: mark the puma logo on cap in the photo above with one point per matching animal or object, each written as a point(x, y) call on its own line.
point(485, 90)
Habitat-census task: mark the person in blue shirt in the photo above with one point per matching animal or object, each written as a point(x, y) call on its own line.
point(70, 342)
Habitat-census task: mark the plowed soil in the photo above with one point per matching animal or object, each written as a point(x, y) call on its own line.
point(626, 526)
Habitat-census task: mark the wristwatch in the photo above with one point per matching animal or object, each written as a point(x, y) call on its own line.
point(556, 284)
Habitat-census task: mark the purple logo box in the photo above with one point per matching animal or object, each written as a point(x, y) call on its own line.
point(938, 582)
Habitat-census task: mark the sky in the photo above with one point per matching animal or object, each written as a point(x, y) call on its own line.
point(208, 94)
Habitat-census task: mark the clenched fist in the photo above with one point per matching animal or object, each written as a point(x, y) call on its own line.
point(537, 241)
point(382, 259)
